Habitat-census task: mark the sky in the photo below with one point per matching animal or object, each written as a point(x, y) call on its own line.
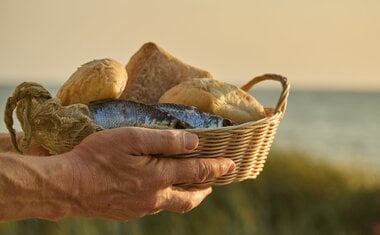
point(322, 44)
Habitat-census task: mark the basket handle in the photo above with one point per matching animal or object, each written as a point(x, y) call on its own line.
point(282, 102)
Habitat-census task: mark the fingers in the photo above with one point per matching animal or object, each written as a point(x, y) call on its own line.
point(178, 200)
point(149, 141)
point(195, 170)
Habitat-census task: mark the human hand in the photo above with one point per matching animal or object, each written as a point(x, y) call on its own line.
point(115, 176)
point(6, 145)
point(37, 151)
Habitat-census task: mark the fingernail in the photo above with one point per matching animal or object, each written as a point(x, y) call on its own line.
point(232, 168)
point(191, 141)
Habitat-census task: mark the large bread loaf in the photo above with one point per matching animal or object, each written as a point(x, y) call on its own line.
point(213, 96)
point(152, 71)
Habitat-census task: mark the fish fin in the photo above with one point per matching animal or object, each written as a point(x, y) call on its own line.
point(182, 125)
point(227, 122)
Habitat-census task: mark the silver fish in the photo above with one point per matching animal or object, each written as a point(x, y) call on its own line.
point(119, 113)
point(193, 116)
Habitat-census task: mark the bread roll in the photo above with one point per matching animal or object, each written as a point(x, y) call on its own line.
point(152, 71)
point(212, 96)
point(95, 80)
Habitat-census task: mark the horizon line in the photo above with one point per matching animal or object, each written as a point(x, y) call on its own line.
point(294, 87)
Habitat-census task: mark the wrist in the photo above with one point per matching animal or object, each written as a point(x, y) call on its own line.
point(83, 182)
point(54, 181)
point(72, 184)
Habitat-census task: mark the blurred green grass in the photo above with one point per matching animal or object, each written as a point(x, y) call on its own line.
point(293, 195)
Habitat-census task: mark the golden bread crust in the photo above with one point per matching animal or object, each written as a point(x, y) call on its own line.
point(217, 97)
point(152, 71)
point(95, 80)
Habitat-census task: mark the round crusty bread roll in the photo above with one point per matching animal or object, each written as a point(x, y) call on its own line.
point(95, 80)
point(212, 96)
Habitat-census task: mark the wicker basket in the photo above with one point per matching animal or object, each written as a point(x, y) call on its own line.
point(247, 144)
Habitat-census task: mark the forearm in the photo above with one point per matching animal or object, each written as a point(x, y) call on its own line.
point(34, 187)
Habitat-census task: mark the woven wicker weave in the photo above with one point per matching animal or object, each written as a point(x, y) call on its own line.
point(247, 144)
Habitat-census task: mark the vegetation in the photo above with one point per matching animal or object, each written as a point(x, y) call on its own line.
point(293, 195)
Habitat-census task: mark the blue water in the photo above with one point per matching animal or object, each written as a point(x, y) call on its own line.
point(334, 126)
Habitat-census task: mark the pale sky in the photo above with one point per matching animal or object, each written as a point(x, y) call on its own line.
point(316, 44)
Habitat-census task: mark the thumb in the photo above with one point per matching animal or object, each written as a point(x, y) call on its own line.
point(150, 141)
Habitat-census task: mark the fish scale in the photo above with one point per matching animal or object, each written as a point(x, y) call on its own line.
point(193, 116)
point(119, 113)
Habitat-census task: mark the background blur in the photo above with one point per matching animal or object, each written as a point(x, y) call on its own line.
point(322, 174)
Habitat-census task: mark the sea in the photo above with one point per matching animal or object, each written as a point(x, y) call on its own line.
point(339, 127)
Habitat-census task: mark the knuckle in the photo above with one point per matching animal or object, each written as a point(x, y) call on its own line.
point(173, 140)
point(203, 171)
point(171, 135)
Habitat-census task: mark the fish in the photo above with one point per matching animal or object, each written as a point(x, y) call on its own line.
point(193, 116)
point(118, 113)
